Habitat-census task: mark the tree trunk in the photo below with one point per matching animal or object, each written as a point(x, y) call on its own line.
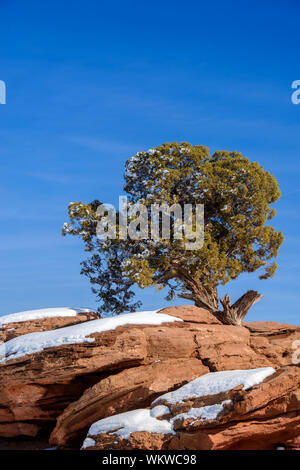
point(235, 314)
point(204, 297)
point(207, 297)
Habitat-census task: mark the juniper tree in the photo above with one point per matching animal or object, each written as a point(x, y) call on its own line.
point(236, 194)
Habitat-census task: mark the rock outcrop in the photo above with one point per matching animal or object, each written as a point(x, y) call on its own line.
point(259, 418)
point(13, 329)
point(64, 389)
point(127, 390)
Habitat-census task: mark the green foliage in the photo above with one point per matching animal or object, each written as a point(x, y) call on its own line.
point(236, 194)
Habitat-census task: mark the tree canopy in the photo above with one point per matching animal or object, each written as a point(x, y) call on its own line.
point(237, 196)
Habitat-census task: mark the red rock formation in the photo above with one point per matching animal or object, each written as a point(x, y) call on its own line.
point(258, 418)
point(128, 390)
point(126, 368)
point(14, 329)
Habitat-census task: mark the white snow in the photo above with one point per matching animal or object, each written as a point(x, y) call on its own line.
point(159, 410)
point(213, 383)
point(204, 413)
point(88, 442)
point(216, 382)
point(41, 313)
point(76, 334)
point(124, 424)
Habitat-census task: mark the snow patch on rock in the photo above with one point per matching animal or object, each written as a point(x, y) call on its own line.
point(159, 410)
point(88, 442)
point(122, 425)
point(204, 413)
point(217, 382)
point(36, 342)
point(41, 313)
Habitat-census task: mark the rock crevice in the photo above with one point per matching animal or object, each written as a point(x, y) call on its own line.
point(63, 390)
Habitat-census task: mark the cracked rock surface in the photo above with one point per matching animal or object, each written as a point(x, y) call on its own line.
point(62, 391)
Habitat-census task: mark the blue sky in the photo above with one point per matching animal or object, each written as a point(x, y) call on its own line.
point(89, 83)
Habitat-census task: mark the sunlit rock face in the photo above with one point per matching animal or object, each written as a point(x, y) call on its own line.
point(60, 375)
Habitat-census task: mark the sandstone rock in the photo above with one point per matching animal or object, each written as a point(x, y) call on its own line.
point(270, 328)
point(55, 384)
point(192, 314)
point(258, 418)
point(66, 371)
point(291, 444)
point(14, 329)
point(130, 389)
point(273, 340)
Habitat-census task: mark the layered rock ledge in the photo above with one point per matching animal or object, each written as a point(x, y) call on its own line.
point(61, 379)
